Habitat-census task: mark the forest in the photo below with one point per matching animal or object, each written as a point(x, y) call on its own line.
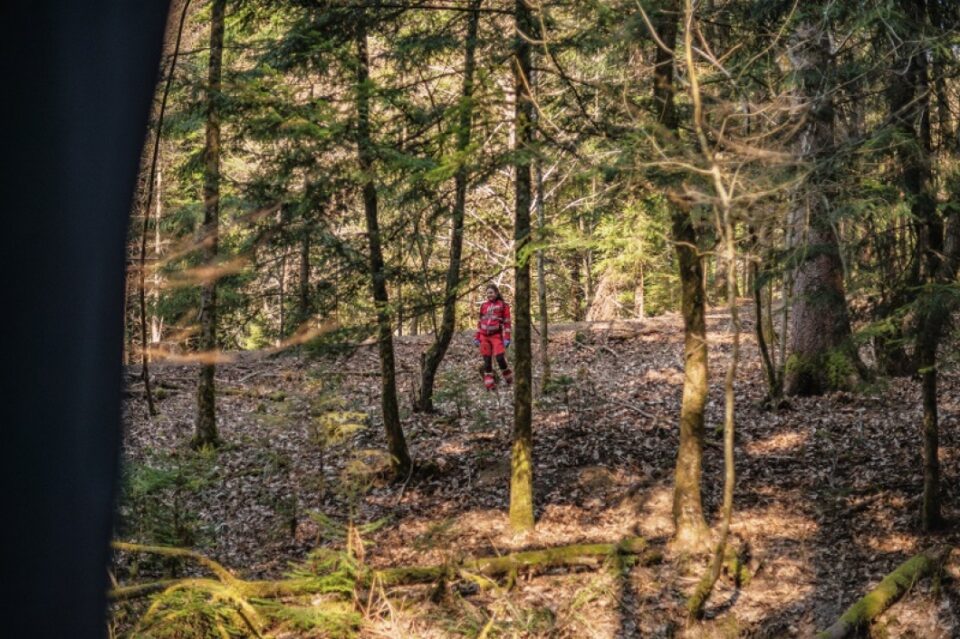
point(536, 318)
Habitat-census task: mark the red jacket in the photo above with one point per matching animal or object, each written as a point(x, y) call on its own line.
point(494, 319)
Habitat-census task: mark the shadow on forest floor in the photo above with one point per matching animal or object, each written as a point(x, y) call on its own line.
point(826, 492)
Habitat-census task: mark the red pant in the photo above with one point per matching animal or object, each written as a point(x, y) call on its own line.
point(491, 345)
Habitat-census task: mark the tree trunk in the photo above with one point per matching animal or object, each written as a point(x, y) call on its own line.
point(725, 231)
point(577, 301)
point(541, 267)
point(910, 106)
point(206, 424)
point(154, 166)
point(396, 443)
point(639, 294)
point(304, 308)
point(430, 361)
point(521, 477)
point(822, 355)
point(156, 322)
point(690, 526)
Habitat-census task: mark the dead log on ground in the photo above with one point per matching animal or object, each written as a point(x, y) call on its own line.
point(887, 593)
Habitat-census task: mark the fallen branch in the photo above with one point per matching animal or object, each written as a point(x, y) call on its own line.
point(886, 593)
point(572, 555)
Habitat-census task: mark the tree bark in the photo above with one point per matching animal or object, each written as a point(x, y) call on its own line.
point(430, 361)
point(521, 477)
point(396, 443)
point(690, 526)
point(822, 355)
point(206, 423)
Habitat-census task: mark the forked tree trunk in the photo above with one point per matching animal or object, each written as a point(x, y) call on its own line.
point(521, 476)
point(430, 360)
point(690, 526)
point(396, 443)
point(206, 424)
point(822, 355)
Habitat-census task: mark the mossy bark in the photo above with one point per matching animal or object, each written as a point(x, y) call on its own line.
point(491, 566)
point(521, 477)
point(885, 594)
point(690, 526)
point(820, 321)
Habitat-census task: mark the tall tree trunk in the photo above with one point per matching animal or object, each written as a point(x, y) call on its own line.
point(541, 265)
point(822, 354)
point(206, 424)
point(521, 477)
point(396, 443)
point(910, 106)
point(430, 361)
point(690, 526)
point(154, 166)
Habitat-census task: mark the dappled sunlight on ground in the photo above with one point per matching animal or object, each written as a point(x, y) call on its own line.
point(825, 504)
point(783, 442)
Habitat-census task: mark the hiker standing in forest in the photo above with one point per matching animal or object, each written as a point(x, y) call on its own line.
point(493, 336)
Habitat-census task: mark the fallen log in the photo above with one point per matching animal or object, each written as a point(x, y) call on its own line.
point(468, 568)
point(887, 593)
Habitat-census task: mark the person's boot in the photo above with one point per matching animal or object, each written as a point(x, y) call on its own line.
point(507, 376)
point(489, 382)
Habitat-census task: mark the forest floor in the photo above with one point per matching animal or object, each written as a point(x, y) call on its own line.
point(827, 495)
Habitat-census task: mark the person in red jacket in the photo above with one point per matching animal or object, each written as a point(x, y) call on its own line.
point(493, 336)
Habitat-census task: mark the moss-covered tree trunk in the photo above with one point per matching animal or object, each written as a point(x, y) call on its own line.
point(206, 424)
point(690, 526)
point(521, 476)
point(821, 351)
point(434, 355)
point(396, 443)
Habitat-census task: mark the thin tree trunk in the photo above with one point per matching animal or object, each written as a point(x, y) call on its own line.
point(639, 294)
point(725, 228)
point(154, 163)
point(822, 355)
point(774, 387)
point(206, 424)
point(577, 301)
point(281, 292)
point(396, 443)
point(521, 477)
point(156, 322)
point(304, 310)
point(430, 361)
point(910, 106)
point(690, 526)
point(541, 266)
